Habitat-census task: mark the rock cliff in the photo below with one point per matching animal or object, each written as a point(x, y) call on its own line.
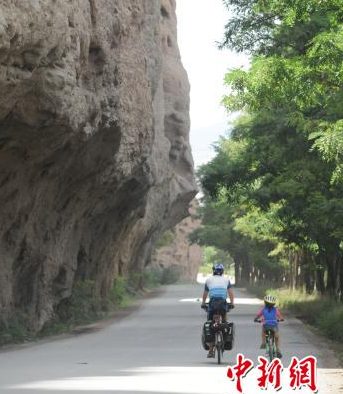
point(94, 155)
point(181, 254)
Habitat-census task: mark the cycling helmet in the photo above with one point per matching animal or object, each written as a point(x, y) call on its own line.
point(270, 299)
point(218, 269)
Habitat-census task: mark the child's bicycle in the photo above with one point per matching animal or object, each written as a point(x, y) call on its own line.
point(271, 349)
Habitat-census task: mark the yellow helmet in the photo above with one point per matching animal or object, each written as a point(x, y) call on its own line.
point(270, 299)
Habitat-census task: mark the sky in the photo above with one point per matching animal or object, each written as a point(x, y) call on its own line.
point(200, 25)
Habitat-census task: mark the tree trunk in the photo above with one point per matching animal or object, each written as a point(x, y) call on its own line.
point(298, 271)
point(333, 285)
point(291, 271)
point(246, 269)
point(320, 284)
point(237, 271)
point(333, 259)
point(338, 270)
point(308, 266)
point(331, 280)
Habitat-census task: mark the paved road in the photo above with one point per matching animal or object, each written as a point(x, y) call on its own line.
point(157, 350)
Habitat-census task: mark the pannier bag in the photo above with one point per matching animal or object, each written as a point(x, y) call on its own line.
point(207, 335)
point(229, 333)
point(208, 331)
point(203, 342)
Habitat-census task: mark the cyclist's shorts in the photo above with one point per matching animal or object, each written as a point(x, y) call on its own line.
point(223, 308)
point(271, 328)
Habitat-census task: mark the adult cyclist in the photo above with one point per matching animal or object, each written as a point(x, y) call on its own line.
point(218, 288)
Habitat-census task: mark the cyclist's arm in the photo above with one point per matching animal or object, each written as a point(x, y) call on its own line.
point(230, 295)
point(260, 314)
point(230, 292)
point(279, 315)
point(205, 294)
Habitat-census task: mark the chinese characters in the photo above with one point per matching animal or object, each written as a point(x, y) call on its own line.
point(301, 373)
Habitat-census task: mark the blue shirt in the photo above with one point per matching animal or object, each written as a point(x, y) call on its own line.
point(217, 286)
point(270, 316)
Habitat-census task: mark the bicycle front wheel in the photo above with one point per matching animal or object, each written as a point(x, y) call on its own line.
point(271, 350)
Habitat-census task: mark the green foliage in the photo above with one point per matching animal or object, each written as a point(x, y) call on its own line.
point(330, 322)
point(155, 276)
point(296, 68)
point(213, 255)
point(85, 306)
point(273, 193)
point(278, 26)
point(82, 307)
point(152, 277)
point(119, 294)
point(166, 239)
point(170, 275)
point(15, 329)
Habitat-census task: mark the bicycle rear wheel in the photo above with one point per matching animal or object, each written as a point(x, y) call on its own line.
point(219, 354)
point(219, 345)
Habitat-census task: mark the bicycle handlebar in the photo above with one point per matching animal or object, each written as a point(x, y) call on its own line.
point(228, 305)
point(260, 321)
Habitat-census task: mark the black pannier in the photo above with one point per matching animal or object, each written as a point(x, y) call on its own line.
point(228, 332)
point(208, 331)
point(203, 342)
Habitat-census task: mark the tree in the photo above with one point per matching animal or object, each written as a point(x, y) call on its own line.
point(280, 171)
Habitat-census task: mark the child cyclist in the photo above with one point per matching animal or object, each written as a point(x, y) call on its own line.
point(270, 315)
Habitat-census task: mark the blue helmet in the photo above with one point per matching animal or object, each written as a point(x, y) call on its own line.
point(218, 269)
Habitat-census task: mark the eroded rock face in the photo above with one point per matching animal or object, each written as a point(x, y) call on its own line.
point(181, 254)
point(94, 154)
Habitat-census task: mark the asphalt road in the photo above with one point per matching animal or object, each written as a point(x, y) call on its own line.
point(157, 349)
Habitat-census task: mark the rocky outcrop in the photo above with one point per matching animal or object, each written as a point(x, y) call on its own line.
point(181, 254)
point(94, 155)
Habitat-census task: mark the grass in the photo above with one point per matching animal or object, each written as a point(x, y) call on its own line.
point(15, 329)
point(84, 307)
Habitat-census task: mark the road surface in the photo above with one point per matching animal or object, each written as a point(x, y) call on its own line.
point(157, 349)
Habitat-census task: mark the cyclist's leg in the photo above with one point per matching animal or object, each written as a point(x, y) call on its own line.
point(211, 344)
point(263, 346)
point(277, 340)
point(277, 337)
point(225, 312)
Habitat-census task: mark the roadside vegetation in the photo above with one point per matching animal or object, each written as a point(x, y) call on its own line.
point(84, 307)
point(273, 194)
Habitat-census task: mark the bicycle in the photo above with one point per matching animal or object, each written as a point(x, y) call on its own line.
point(219, 328)
point(271, 349)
